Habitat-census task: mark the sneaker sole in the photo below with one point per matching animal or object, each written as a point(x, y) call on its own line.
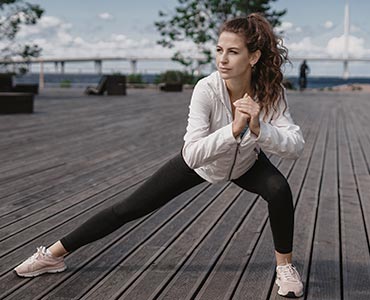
point(40, 272)
point(290, 294)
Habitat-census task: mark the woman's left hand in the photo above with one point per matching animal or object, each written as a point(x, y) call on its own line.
point(252, 109)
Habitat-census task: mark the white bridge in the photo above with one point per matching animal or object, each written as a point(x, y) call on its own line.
point(59, 63)
point(98, 61)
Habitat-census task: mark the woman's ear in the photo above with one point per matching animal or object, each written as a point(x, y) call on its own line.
point(255, 57)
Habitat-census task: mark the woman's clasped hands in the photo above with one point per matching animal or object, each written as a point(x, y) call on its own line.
point(247, 112)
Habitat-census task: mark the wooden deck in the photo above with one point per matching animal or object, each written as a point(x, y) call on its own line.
point(76, 155)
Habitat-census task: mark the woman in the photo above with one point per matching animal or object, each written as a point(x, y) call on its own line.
point(236, 114)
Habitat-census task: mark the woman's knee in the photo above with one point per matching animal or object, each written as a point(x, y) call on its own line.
point(278, 187)
point(129, 208)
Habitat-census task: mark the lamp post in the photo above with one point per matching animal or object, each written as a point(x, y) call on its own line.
point(346, 40)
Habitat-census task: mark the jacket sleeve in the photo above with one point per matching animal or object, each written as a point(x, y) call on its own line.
point(202, 147)
point(281, 136)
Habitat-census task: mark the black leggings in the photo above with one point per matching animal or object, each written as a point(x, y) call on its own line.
point(174, 178)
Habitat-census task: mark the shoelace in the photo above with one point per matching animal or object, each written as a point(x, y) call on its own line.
point(41, 251)
point(289, 272)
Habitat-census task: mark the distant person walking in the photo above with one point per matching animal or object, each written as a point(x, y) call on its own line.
point(236, 114)
point(304, 70)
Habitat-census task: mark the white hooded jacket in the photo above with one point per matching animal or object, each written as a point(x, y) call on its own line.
point(210, 147)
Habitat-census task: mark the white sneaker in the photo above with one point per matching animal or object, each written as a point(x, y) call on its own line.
point(39, 263)
point(289, 281)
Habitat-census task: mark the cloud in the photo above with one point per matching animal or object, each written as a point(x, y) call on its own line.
point(328, 24)
point(56, 38)
point(105, 16)
point(50, 21)
point(64, 38)
point(304, 47)
point(355, 29)
point(334, 47)
point(356, 47)
point(284, 26)
point(325, 40)
point(47, 25)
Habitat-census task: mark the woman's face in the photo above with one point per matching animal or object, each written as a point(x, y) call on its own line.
point(233, 58)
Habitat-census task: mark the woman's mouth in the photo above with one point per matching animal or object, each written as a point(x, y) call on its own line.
point(222, 69)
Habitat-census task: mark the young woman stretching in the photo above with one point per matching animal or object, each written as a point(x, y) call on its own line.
point(236, 114)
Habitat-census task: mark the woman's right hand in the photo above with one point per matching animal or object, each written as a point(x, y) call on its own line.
point(240, 121)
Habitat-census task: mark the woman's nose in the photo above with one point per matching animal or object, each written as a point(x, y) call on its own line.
point(224, 58)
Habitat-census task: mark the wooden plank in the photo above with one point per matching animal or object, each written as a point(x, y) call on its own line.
point(58, 203)
point(134, 156)
point(47, 142)
point(324, 279)
point(75, 183)
point(360, 157)
point(355, 247)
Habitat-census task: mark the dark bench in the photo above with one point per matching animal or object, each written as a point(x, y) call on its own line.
point(112, 84)
point(26, 88)
point(6, 85)
point(171, 87)
point(12, 103)
point(116, 85)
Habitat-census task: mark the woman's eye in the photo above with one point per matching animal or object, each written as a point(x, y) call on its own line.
point(218, 50)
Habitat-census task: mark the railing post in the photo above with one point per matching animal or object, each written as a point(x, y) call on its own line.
point(133, 66)
point(99, 66)
point(346, 40)
point(345, 69)
point(41, 75)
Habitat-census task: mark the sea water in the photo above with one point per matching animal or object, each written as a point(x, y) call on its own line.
point(82, 80)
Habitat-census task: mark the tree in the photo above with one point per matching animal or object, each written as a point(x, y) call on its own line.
point(14, 14)
point(199, 21)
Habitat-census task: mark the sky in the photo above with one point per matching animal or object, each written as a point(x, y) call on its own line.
point(71, 28)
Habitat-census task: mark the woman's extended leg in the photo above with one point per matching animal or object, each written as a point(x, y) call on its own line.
point(169, 181)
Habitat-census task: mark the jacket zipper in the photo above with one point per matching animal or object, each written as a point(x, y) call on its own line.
point(230, 117)
point(232, 166)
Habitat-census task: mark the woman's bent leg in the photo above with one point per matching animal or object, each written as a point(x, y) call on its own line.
point(266, 180)
point(172, 179)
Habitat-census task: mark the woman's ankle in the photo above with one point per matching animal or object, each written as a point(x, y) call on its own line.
point(57, 249)
point(283, 258)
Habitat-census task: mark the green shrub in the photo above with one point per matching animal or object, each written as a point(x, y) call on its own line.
point(174, 76)
point(65, 83)
point(135, 78)
point(288, 84)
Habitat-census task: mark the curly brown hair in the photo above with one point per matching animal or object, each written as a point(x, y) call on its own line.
point(267, 76)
